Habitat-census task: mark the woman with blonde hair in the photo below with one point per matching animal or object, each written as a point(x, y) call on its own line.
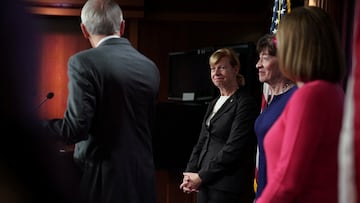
point(302, 146)
point(222, 164)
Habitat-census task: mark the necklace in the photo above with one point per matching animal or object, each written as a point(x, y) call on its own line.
point(284, 89)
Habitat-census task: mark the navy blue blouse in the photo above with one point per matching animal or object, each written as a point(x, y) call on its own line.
point(262, 124)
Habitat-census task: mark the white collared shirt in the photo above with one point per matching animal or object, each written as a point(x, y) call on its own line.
point(106, 38)
point(217, 106)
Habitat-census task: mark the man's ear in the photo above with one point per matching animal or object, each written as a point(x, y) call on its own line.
point(122, 27)
point(84, 31)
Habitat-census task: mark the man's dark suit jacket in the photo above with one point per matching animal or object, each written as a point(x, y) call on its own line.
point(112, 96)
point(224, 155)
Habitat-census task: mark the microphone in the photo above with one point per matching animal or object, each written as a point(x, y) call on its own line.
point(49, 95)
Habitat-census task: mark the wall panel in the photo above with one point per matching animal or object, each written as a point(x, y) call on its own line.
point(61, 38)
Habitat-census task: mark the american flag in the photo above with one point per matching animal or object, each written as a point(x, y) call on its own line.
point(280, 8)
point(349, 147)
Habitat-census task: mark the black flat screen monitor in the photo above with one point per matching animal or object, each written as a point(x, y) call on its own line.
point(189, 76)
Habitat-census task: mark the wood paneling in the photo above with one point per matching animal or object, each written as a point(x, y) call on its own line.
point(131, 8)
point(213, 6)
point(73, 3)
point(61, 38)
point(168, 191)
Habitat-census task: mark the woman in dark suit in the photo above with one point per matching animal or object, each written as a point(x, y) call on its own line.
point(222, 164)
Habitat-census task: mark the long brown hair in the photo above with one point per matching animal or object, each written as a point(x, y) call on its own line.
point(309, 46)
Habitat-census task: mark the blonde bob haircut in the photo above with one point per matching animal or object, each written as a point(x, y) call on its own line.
point(309, 46)
point(233, 59)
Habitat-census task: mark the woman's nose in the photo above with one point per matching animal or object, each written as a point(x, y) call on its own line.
point(258, 64)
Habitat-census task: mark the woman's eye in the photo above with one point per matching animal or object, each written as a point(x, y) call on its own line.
point(213, 69)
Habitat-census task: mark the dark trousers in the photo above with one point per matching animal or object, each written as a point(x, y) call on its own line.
point(207, 195)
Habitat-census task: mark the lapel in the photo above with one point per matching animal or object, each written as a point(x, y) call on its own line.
point(230, 102)
point(210, 107)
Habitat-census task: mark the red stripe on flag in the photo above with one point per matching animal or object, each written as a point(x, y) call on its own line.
point(349, 147)
point(356, 98)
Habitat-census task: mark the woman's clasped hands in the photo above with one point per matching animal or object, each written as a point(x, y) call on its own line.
point(191, 182)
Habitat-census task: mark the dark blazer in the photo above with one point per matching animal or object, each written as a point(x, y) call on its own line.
point(224, 155)
point(112, 96)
